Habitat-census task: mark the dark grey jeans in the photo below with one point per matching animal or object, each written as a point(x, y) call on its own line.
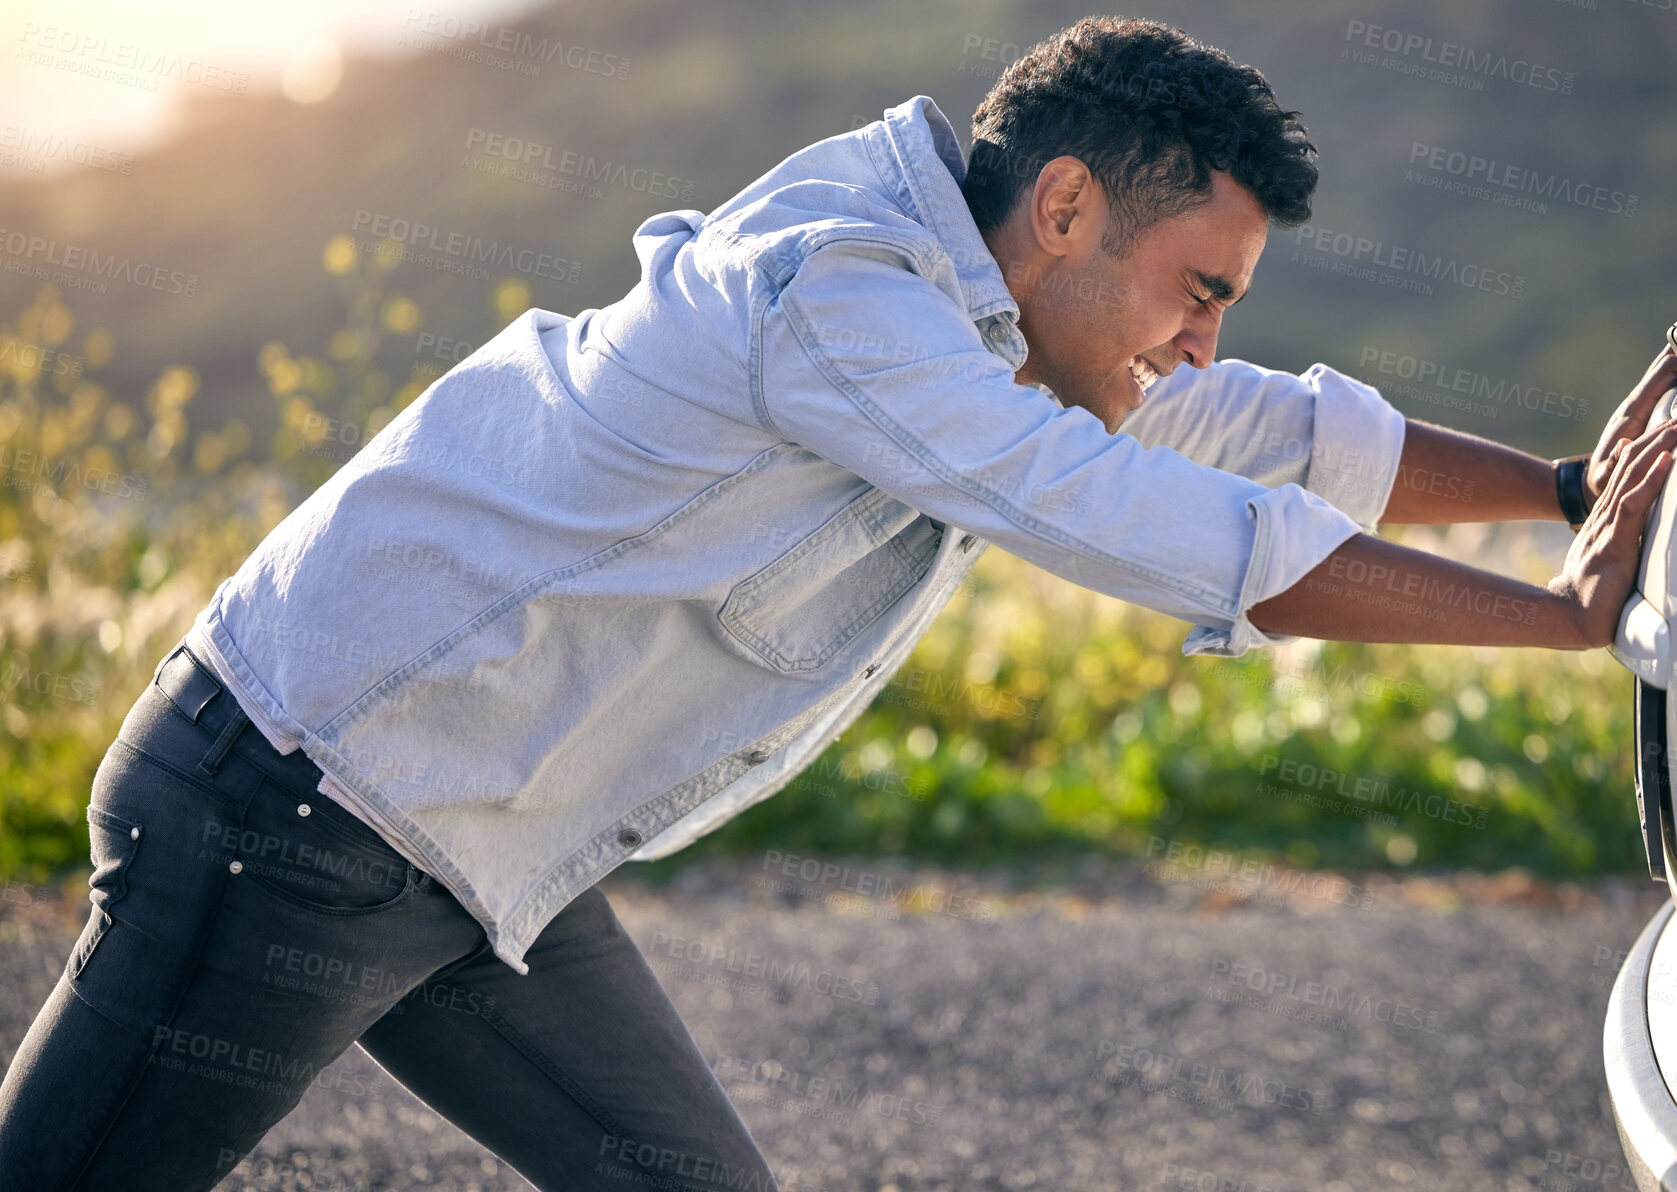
point(246, 931)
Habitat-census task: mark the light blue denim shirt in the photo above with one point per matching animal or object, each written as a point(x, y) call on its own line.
point(617, 576)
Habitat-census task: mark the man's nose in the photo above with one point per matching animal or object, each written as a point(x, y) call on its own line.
point(1198, 342)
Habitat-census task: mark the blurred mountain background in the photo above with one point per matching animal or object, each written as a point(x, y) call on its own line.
point(254, 187)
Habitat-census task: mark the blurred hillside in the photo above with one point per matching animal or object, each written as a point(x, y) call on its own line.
point(713, 94)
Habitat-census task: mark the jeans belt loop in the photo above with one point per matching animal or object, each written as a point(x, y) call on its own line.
point(191, 687)
point(211, 763)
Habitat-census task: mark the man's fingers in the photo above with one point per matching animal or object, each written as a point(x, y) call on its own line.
point(1635, 457)
point(1637, 483)
point(1664, 356)
point(1661, 375)
point(1631, 514)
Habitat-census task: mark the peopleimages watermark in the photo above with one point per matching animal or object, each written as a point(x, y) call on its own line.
point(22, 354)
point(668, 1168)
point(29, 149)
point(1448, 62)
point(1416, 592)
point(332, 978)
point(768, 975)
point(1262, 881)
point(1474, 384)
point(296, 863)
point(16, 675)
point(229, 1061)
point(1568, 1171)
point(1332, 1005)
point(126, 62)
point(1051, 288)
point(533, 161)
point(459, 252)
point(1175, 1178)
point(321, 648)
point(432, 561)
point(828, 775)
point(1312, 799)
point(33, 472)
point(1398, 266)
point(284, 1173)
point(76, 266)
point(1613, 959)
point(920, 689)
point(829, 877)
point(332, 438)
point(824, 1095)
point(1508, 185)
point(1225, 1087)
point(1312, 674)
point(987, 57)
point(1377, 793)
point(504, 47)
point(24, 894)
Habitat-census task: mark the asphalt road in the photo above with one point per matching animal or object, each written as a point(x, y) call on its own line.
point(1121, 1028)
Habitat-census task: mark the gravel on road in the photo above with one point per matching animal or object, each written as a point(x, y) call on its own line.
point(888, 1027)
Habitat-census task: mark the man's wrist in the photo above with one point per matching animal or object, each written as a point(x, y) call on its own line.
point(1570, 493)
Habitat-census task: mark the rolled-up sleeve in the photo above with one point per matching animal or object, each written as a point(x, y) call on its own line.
point(1320, 429)
point(875, 368)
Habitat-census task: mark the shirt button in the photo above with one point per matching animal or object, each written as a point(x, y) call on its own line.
point(236, 867)
point(133, 833)
point(997, 332)
point(871, 671)
point(303, 809)
point(966, 543)
point(629, 838)
point(756, 757)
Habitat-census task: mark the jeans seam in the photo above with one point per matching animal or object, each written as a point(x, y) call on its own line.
point(541, 1062)
point(197, 967)
point(410, 885)
point(175, 771)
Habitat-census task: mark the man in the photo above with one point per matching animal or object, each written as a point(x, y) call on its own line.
point(618, 576)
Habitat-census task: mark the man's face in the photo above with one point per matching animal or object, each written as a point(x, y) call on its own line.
point(1101, 329)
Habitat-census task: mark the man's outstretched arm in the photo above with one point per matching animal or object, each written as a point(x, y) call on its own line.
point(1371, 590)
point(1447, 476)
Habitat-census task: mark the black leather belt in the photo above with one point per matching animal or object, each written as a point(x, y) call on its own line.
point(199, 696)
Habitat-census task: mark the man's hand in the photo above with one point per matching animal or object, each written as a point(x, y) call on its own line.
point(1629, 421)
point(1600, 568)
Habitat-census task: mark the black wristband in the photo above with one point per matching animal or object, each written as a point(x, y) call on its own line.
point(1569, 488)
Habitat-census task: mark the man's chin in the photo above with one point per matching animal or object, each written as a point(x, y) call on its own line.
point(1112, 415)
point(1109, 412)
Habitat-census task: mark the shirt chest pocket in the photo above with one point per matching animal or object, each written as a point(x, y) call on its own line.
point(803, 608)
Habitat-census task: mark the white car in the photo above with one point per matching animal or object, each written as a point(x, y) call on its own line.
point(1640, 1038)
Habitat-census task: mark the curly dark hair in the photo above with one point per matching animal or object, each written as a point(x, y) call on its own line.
point(1151, 112)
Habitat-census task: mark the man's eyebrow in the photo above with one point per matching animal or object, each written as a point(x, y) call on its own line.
point(1218, 287)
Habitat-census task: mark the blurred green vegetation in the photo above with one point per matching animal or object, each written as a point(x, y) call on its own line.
point(1037, 719)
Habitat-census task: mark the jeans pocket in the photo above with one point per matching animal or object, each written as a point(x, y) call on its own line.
point(113, 843)
point(321, 859)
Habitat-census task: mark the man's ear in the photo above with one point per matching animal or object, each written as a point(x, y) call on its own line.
point(1062, 204)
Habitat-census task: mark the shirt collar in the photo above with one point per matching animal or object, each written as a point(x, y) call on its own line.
point(931, 167)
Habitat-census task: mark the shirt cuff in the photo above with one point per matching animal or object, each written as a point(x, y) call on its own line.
point(1357, 444)
point(1295, 531)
